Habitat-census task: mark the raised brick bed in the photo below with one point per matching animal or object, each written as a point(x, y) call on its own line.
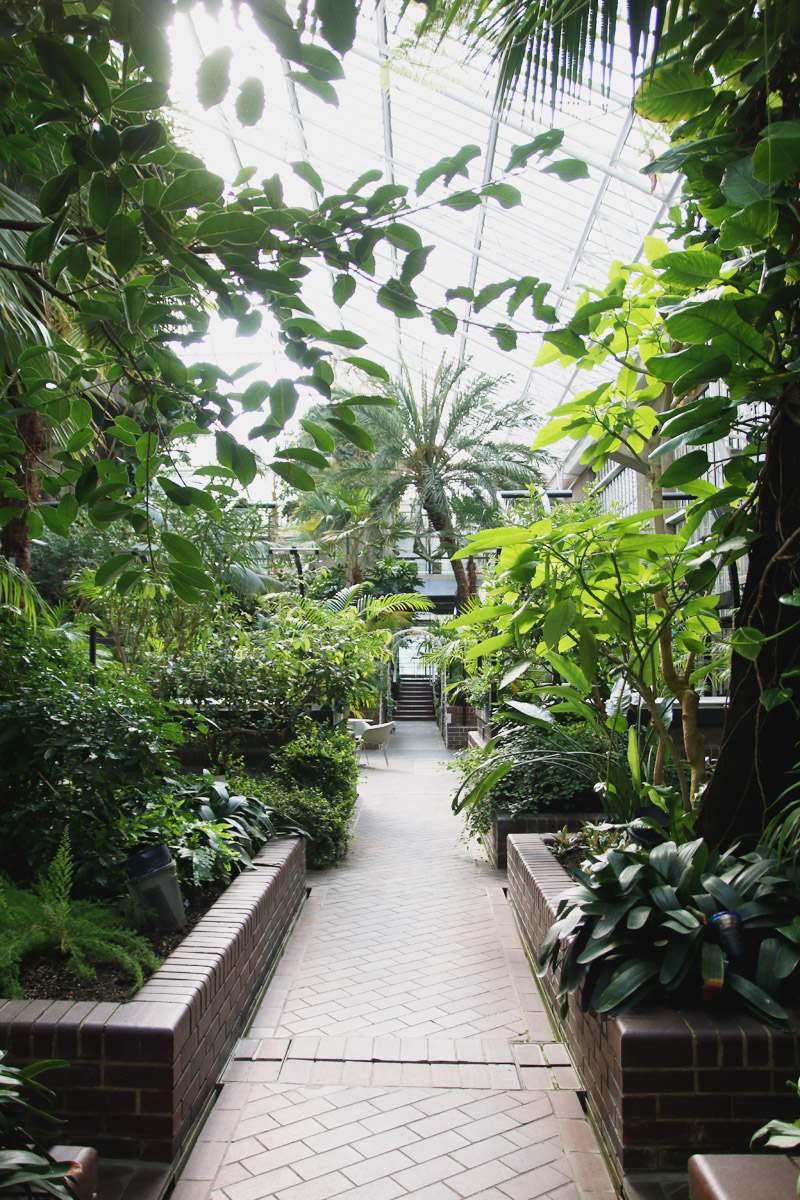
point(496, 840)
point(663, 1083)
point(140, 1073)
point(743, 1177)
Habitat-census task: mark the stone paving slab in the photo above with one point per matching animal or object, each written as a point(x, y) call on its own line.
point(402, 1047)
point(298, 1142)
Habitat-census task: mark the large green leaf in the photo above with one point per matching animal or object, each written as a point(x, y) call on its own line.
point(305, 171)
point(343, 288)
point(686, 469)
point(283, 399)
point(757, 999)
point(319, 87)
point(506, 195)
point(337, 22)
point(568, 169)
point(559, 621)
point(302, 454)
point(272, 18)
point(352, 433)
point(321, 63)
point(693, 268)
point(214, 77)
point(533, 713)
point(192, 189)
point(106, 144)
point(752, 226)
point(254, 396)
point(322, 439)
point(141, 97)
point(73, 70)
point(627, 984)
point(543, 143)
point(747, 642)
point(740, 186)
point(777, 155)
point(231, 228)
point(399, 298)
point(295, 475)
point(489, 646)
point(149, 41)
point(54, 194)
point(181, 549)
point(674, 92)
point(444, 321)
point(123, 243)
point(715, 322)
point(250, 101)
point(566, 342)
point(373, 369)
point(570, 671)
point(105, 197)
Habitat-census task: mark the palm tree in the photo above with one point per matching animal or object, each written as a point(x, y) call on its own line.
point(546, 44)
point(443, 445)
point(344, 520)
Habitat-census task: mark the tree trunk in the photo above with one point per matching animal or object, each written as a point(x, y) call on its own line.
point(760, 745)
point(447, 540)
point(472, 576)
point(15, 542)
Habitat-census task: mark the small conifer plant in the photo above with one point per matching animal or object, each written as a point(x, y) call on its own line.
point(47, 920)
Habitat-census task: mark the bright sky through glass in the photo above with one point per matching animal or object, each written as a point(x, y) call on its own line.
point(402, 107)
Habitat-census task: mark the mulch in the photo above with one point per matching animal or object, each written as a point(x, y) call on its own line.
point(48, 978)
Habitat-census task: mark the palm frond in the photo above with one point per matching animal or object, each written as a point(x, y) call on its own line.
point(19, 599)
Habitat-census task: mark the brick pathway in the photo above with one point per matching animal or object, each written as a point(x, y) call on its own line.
point(401, 1048)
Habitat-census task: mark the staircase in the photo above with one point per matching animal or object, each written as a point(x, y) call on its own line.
point(415, 701)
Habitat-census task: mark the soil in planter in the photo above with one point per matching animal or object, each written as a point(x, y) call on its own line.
point(46, 977)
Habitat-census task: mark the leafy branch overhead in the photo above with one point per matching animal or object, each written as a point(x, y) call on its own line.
point(117, 246)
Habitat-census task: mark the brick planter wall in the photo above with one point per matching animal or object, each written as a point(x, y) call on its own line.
point(495, 841)
point(664, 1083)
point(140, 1073)
point(455, 735)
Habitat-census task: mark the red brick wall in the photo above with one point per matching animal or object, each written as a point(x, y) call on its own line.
point(664, 1083)
point(141, 1072)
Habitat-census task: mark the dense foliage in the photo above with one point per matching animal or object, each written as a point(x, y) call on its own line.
point(703, 343)
point(262, 672)
point(74, 753)
point(98, 751)
point(641, 923)
point(554, 769)
point(326, 820)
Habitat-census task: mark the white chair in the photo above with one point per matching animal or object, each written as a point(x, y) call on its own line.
point(357, 725)
point(375, 736)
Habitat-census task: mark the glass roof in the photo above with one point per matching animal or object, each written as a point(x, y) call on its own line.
point(402, 107)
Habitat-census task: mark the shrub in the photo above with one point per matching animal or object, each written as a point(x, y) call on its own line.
point(324, 818)
point(548, 770)
point(74, 753)
point(321, 759)
point(263, 674)
point(211, 832)
point(640, 923)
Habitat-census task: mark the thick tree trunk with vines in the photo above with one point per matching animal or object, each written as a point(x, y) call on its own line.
point(15, 541)
point(760, 745)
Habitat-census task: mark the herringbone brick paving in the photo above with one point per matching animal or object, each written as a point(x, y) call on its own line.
point(401, 1048)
